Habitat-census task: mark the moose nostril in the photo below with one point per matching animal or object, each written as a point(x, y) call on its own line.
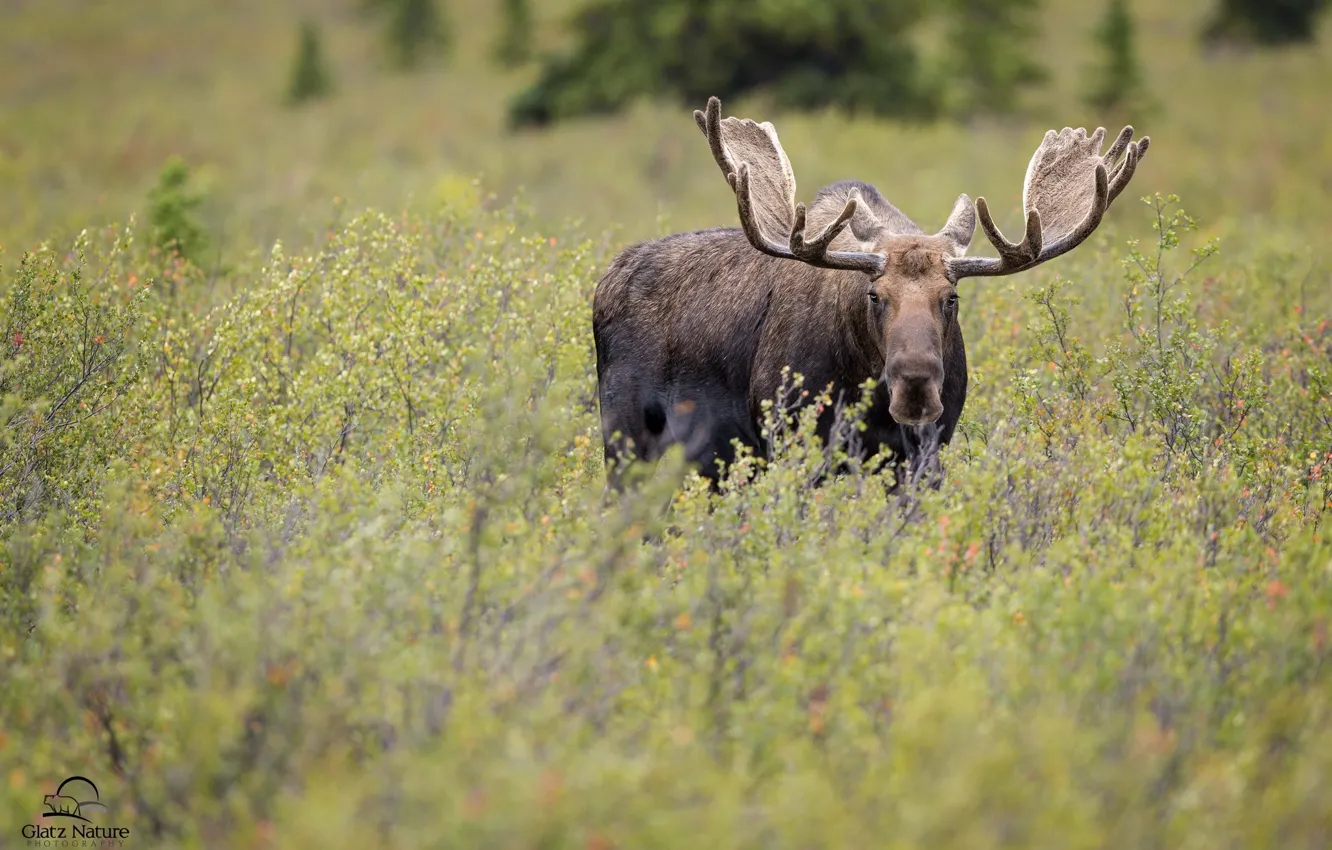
point(915, 370)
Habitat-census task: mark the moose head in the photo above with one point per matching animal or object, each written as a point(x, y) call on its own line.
point(912, 277)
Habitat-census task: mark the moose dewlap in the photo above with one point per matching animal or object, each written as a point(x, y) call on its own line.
point(693, 331)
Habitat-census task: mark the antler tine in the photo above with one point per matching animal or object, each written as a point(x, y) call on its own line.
point(1121, 142)
point(1124, 172)
point(811, 249)
point(815, 251)
point(764, 146)
point(710, 124)
point(1015, 253)
point(1053, 187)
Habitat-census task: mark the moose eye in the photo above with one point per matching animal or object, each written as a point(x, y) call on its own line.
point(873, 296)
point(951, 302)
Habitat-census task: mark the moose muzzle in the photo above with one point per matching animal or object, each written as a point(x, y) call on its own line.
point(915, 382)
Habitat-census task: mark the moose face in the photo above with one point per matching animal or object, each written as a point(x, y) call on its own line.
point(913, 310)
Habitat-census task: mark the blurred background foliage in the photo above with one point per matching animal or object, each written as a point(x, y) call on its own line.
point(847, 54)
point(889, 58)
point(303, 536)
point(1269, 22)
point(97, 96)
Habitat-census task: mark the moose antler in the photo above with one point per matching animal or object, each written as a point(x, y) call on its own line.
point(1068, 188)
point(757, 169)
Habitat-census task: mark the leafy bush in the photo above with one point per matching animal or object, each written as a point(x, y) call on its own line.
point(344, 571)
point(68, 364)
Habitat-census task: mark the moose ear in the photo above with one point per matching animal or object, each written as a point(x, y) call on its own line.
point(961, 225)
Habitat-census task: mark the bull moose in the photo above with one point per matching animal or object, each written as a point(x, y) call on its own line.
point(693, 331)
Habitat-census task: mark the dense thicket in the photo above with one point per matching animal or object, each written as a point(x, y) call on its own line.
point(332, 565)
point(308, 546)
point(862, 56)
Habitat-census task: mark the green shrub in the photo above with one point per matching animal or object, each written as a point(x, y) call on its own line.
point(68, 363)
point(348, 574)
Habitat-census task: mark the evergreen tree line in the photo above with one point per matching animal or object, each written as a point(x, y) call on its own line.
point(861, 56)
point(906, 59)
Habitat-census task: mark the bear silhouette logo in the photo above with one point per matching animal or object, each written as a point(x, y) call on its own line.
point(72, 804)
point(61, 805)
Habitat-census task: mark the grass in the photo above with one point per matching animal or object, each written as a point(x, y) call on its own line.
point(308, 544)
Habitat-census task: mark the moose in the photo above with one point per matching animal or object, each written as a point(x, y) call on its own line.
point(694, 331)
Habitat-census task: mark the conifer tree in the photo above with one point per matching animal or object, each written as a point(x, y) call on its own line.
point(309, 77)
point(1116, 82)
point(990, 60)
point(514, 47)
point(413, 28)
point(172, 212)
